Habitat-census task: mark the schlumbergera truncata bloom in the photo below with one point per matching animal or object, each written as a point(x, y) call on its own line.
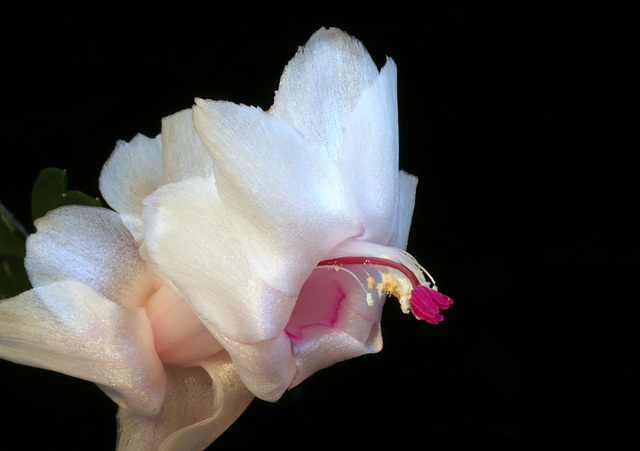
point(245, 251)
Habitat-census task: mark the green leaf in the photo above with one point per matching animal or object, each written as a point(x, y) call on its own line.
point(12, 234)
point(50, 192)
point(13, 276)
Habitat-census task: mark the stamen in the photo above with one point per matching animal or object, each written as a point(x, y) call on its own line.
point(340, 268)
point(424, 302)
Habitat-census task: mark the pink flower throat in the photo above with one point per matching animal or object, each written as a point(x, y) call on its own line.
point(425, 302)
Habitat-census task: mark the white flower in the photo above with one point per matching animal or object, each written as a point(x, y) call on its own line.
point(312, 180)
point(246, 250)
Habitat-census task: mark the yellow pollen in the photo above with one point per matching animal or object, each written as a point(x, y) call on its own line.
point(389, 285)
point(371, 282)
point(397, 289)
point(370, 301)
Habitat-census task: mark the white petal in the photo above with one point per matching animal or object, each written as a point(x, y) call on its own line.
point(89, 245)
point(284, 197)
point(266, 367)
point(407, 184)
point(190, 239)
point(183, 153)
point(132, 172)
point(201, 403)
point(321, 85)
point(369, 157)
point(69, 328)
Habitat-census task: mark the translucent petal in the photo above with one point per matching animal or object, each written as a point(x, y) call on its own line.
point(183, 152)
point(201, 403)
point(369, 157)
point(406, 203)
point(334, 320)
point(69, 328)
point(89, 245)
point(321, 85)
point(284, 197)
point(133, 171)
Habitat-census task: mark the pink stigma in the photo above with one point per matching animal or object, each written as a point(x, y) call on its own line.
point(425, 303)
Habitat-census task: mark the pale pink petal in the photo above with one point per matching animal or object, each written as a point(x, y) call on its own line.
point(90, 245)
point(201, 403)
point(284, 197)
point(183, 152)
point(132, 172)
point(180, 337)
point(321, 85)
point(69, 328)
point(334, 320)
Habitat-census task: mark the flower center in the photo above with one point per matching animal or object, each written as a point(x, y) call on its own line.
point(410, 288)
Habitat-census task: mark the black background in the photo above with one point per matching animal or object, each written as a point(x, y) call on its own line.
point(512, 116)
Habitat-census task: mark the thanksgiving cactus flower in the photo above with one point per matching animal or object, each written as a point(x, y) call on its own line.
point(299, 232)
point(245, 250)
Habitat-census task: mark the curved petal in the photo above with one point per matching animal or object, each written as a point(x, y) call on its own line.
point(190, 239)
point(192, 243)
point(284, 197)
point(369, 157)
point(336, 318)
point(89, 245)
point(184, 155)
point(266, 367)
point(201, 403)
point(321, 85)
point(407, 184)
point(132, 172)
point(69, 328)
